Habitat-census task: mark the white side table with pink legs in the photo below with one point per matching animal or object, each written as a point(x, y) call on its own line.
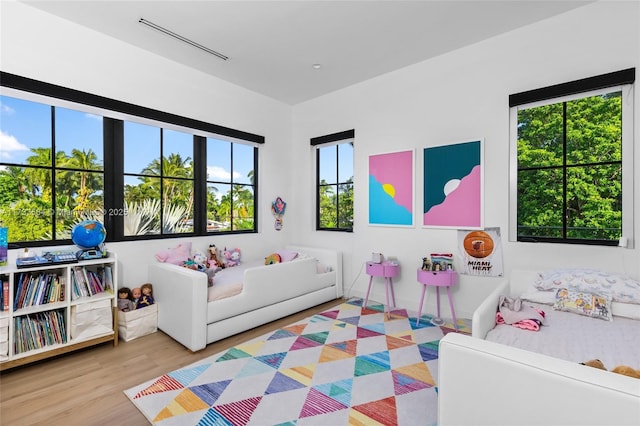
point(437, 279)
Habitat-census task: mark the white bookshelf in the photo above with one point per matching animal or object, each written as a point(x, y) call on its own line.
point(51, 316)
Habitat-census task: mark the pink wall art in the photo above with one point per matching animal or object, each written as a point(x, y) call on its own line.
point(391, 183)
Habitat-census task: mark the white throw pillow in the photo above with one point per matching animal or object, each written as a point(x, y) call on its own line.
point(622, 288)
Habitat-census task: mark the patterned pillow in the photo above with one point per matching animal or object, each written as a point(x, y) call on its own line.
point(584, 303)
point(621, 287)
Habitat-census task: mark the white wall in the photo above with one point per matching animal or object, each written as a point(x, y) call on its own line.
point(41, 46)
point(454, 98)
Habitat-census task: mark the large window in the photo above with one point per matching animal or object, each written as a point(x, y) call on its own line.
point(144, 174)
point(231, 194)
point(51, 172)
point(334, 181)
point(158, 180)
point(571, 164)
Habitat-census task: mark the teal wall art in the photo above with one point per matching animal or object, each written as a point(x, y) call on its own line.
point(453, 186)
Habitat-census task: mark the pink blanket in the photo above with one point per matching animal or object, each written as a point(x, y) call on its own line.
point(527, 324)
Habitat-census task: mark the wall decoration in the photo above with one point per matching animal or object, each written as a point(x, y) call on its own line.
point(391, 185)
point(481, 252)
point(453, 186)
point(277, 210)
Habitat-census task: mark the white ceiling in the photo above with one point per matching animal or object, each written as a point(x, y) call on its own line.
point(272, 45)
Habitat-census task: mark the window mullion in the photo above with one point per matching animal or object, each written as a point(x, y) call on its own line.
point(565, 204)
point(338, 186)
point(199, 185)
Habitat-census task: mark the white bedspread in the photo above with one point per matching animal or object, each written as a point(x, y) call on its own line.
point(577, 338)
point(228, 282)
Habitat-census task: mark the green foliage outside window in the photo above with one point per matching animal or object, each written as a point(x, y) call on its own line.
point(570, 169)
point(335, 187)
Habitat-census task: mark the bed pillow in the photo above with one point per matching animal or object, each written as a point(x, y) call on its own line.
point(626, 310)
point(176, 256)
point(287, 255)
point(584, 303)
point(622, 288)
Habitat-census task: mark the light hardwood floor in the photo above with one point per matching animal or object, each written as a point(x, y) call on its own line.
point(86, 387)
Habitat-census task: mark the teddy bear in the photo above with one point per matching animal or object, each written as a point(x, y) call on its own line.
point(621, 369)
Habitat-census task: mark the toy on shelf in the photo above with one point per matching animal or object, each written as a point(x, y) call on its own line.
point(437, 262)
point(426, 264)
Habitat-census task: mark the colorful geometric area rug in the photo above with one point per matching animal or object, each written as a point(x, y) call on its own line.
point(346, 366)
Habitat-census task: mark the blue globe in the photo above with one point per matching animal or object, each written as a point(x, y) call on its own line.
point(88, 234)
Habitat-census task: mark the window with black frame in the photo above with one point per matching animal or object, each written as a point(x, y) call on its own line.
point(146, 174)
point(334, 181)
point(51, 169)
point(572, 162)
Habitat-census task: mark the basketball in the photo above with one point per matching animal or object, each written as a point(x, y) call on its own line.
point(478, 244)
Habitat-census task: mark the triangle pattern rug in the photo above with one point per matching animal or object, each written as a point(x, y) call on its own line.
point(347, 365)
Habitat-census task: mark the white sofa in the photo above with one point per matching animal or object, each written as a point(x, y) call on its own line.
point(268, 292)
point(487, 383)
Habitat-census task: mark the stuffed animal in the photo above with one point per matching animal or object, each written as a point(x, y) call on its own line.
point(200, 260)
point(175, 255)
point(190, 263)
point(147, 296)
point(213, 262)
point(231, 257)
point(621, 369)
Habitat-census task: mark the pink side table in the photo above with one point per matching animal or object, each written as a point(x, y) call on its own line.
point(437, 279)
point(386, 270)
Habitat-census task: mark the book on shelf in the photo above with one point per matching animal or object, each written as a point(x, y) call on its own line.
point(38, 330)
point(87, 283)
point(108, 278)
point(32, 290)
point(5, 295)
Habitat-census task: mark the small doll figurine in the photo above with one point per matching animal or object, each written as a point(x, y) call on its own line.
point(136, 293)
point(147, 296)
point(125, 300)
point(426, 264)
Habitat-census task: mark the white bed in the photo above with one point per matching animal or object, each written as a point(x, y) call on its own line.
point(537, 379)
point(588, 338)
point(196, 315)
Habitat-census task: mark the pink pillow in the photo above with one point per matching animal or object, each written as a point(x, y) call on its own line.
point(176, 256)
point(287, 255)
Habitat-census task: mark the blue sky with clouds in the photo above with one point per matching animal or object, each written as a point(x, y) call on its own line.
point(25, 125)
